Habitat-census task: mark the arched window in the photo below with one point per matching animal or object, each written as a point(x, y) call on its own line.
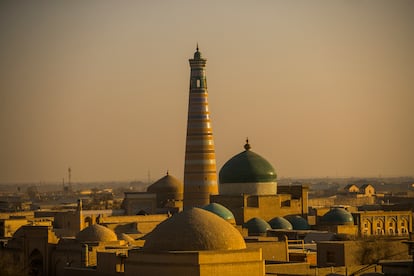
point(35, 263)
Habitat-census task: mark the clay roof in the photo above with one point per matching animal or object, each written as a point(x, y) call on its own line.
point(95, 233)
point(168, 184)
point(194, 230)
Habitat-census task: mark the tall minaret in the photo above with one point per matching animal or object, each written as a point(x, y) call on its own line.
point(200, 176)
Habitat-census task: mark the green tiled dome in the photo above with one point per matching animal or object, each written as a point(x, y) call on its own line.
point(257, 226)
point(247, 167)
point(220, 210)
point(337, 216)
point(280, 223)
point(298, 222)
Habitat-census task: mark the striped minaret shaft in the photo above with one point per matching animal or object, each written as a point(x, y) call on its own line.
point(200, 176)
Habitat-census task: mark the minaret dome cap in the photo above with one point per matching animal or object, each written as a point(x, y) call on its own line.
point(197, 54)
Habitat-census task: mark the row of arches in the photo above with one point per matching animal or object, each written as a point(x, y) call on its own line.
point(389, 226)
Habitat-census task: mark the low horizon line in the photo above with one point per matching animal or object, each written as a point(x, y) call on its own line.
point(145, 181)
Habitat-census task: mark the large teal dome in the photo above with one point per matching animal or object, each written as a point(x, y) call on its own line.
point(280, 223)
point(257, 226)
point(337, 216)
point(220, 210)
point(298, 222)
point(247, 167)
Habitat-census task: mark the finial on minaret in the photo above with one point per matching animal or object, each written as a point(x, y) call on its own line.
point(197, 54)
point(247, 145)
point(79, 205)
point(168, 172)
point(69, 174)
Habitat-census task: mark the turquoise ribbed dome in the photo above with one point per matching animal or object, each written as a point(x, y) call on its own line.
point(298, 222)
point(247, 167)
point(337, 216)
point(280, 223)
point(257, 226)
point(220, 211)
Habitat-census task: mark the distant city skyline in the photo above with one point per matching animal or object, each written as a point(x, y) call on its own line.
point(320, 88)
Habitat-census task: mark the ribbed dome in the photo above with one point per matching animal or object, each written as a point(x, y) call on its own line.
point(166, 184)
point(257, 226)
point(96, 233)
point(247, 167)
point(280, 223)
point(220, 210)
point(194, 229)
point(298, 222)
point(337, 216)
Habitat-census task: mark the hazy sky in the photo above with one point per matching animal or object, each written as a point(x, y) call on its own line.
point(321, 88)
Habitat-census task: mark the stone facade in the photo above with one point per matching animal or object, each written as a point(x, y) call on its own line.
point(391, 223)
point(351, 253)
point(196, 263)
point(244, 207)
point(136, 202)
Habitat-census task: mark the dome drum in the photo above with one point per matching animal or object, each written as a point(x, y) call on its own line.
point(256, 188)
